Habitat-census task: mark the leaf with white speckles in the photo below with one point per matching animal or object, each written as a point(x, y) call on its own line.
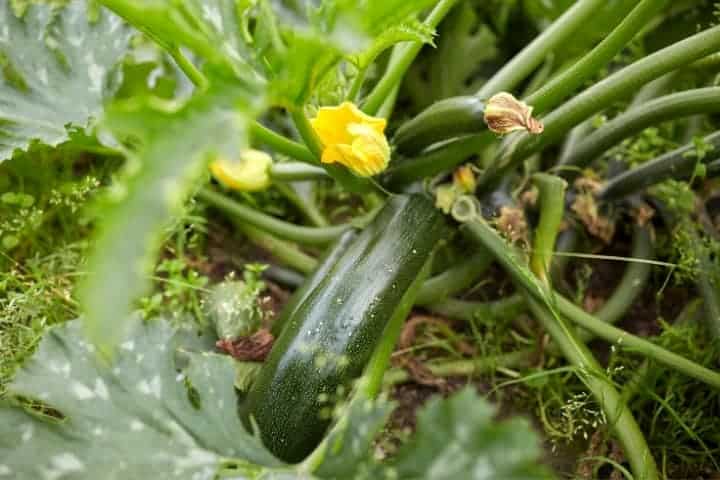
point(131, 419)
point(57, 68)
point(458, 438)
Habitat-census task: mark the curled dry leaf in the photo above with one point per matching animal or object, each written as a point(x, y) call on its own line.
point(252, 348)
point(512, 224)
point(504, 114)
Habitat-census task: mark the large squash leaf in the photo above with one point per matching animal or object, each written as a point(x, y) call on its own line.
point(57, 68)
point(143, 415)
point(135, 418)
point(457, 438)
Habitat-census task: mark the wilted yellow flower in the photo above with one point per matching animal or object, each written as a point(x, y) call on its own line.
point(352, 138)
point(250, 173)
point(505, 113)
point(464, 179)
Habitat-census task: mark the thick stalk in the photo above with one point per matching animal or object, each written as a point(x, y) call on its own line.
point(620, 419)
point(633, 280)
point(601, 95)
point(396, 70)
point(569, 80)
point(523, 64)
point(486, 237)
point(551, 191)
point(710, 290)
point(459, 368)
point(669, 107)
point(280, 228)
point(507, 307)
point(678, 164)
point(453, 280)
point(437, 160)
point(302, 124)
point(296, 172)
point(307, 207)
point(285, 252)
point(280, 144)
point(618, 415)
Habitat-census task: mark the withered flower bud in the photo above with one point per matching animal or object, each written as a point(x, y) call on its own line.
point(464, 179)
point(504, 114)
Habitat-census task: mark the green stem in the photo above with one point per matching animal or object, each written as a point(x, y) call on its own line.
point(281, 144)
point(285, 252)
point(552, 38)
point(552, 204)
point(568, 81)
point(633, 280)
point(487, 238)
point(618, 414)
point(710, 290)
point(188, 68)
point(467, 368)
point(306, 131)
point(283, 229)
point(438, 160)
point(444, 119)
point(296, 172)
point(356, 85)
point(306, 206)
point(678, 164)
point(552, 207)
point(623, 339)
point(669, 107)
point(602, 95)
point(453, 280)
point(396, 70)
point(504, 308)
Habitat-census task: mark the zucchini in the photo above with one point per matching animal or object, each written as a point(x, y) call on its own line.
point(333, 326)
point(330, 258)
point(442, 120)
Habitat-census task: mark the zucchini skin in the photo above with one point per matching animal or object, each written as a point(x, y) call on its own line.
point(331, 334)
point(442, 120)
point(331, 257)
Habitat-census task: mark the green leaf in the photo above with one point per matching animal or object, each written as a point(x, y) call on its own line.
point(457, 438)
point(172, 144)
point(57, 68)
point(133, 419)
point(445, 71)
point(413, 31)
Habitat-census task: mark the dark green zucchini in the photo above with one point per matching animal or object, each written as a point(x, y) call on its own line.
point(334, 326)
point(442, 120)
point(331, 257)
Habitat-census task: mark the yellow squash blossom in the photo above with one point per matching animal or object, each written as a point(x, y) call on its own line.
point(352, 138)
point(250, 173)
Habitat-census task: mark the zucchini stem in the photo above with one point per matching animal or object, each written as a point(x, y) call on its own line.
point(453, 280)
point(281, 144)
point(468, 368)
point(600, 96)
point(296, 172)
point(669, 107)
point(569, 80)
point(486, 237)
point(289, 231)
point(523, 64)
point(287, 253)
point(620, 418)
point(677, 164)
